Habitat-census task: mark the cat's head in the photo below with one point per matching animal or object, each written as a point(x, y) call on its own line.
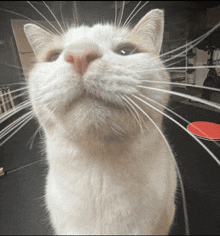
point(82, 77)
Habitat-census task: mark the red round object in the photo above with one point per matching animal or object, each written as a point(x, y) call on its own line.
point(206, 130)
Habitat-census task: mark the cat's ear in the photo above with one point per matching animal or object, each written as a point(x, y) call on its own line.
point(150, 28)
point(37, 37)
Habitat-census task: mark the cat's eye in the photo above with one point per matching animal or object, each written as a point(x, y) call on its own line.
point(53, 57)
point(127, 50)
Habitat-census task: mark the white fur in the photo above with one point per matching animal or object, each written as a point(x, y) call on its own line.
point(105, 175)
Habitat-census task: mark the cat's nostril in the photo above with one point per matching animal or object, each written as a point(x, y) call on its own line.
point(91, 57)
point(69, 58)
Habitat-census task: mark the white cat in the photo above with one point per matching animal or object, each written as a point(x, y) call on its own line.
point(110, 170)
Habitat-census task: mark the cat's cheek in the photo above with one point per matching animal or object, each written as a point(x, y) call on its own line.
point(56, 89)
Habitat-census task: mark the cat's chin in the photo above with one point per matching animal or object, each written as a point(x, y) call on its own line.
point(90, 118)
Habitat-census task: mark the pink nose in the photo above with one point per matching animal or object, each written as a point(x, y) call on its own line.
point(80, 61)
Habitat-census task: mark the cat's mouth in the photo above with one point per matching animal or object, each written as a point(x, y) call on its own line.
point(96, 98)
point(111, 100)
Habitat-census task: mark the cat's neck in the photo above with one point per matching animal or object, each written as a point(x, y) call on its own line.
point(109, 148)
point(128, 163)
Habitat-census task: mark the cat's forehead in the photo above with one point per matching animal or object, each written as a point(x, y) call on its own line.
point(101, 34)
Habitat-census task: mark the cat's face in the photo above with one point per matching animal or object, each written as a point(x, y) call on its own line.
point(83, 99)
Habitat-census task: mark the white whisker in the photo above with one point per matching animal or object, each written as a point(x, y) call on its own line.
point(19, 168)
point(20, 95)
point(182, 84)
point(186, 48)
point(31, 141)
point(116, 131)
point(137, 114)
point(14, 84)
point(212, 104)
point(180, 68)
point(190, 44)
point(177, 168)
point(64, 25)
point(76, 13)
point(175, 62)
point(12, 102)
point(16, 90)
point(18, 14)
point(122, 12)
point(14, 124)
point(44, 18)
point(169, 117)
point(34, 135)
point(199, 39)
point(192, 67)
point(17, 67)
point(25, 122)
point(116, 10)
point(121, 100)
point(136, 13)
point(15, 110)
point(54, 16)
point(131, 14)
point(182, 118)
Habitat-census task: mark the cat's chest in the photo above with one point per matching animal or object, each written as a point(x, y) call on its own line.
point(93, 199)
point(127, 173)
point(121, 167)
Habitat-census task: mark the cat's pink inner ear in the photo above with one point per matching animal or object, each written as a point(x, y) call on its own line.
point(37, 37)
point(149, 31)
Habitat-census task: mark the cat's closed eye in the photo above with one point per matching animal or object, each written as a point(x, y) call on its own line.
point(127, 50)
point(53, 57)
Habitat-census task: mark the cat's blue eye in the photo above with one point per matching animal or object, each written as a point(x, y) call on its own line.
point(127, 50)
point(53, 57)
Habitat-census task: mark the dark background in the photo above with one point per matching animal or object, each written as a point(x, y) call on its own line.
point(21, 206)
